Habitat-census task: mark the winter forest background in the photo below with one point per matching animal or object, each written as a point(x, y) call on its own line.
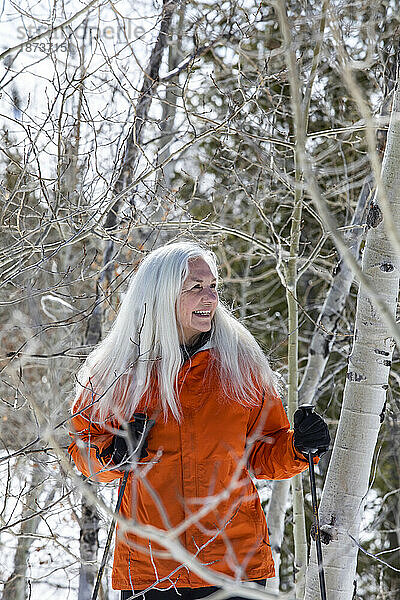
point(268, 130)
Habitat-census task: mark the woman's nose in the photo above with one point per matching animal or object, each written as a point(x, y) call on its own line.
point(210, 293)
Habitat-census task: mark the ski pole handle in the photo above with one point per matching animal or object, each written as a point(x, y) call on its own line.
point(308, 409)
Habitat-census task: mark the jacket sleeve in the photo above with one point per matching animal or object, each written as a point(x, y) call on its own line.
point(272, 453)
point(91, 446)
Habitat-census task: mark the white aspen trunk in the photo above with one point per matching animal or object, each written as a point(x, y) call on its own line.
point(276, 525)
point(88, 544)
point(347, 480)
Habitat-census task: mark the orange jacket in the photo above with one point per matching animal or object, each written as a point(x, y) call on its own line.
point(190, 463)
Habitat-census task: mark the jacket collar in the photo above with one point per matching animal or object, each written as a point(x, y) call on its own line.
point(202, 343)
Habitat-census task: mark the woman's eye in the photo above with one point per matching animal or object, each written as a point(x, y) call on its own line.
point(198, 286)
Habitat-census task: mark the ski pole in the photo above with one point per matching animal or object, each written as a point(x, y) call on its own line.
point(109, 536)
point(311, 452)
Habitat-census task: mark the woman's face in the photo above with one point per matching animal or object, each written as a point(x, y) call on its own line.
point(197, 301)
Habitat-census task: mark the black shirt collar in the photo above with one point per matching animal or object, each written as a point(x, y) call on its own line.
point(188, 351)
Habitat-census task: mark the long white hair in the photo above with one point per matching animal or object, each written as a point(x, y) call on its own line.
point(144, 342)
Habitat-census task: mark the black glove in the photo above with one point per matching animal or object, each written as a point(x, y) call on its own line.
point(131, 445)
point(311, 434)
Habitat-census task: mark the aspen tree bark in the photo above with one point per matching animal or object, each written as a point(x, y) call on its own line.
point(88, 545)
point(348, 475)
point(276, 525)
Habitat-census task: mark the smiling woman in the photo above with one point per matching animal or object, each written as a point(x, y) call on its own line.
point(197, 302)
point(177, 358)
